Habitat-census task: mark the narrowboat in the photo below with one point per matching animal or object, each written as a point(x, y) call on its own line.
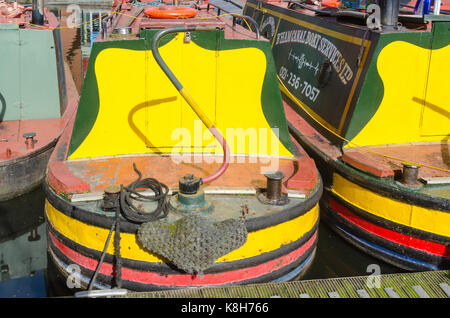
point(365, 94)
point(37, 95)
point(178, 170)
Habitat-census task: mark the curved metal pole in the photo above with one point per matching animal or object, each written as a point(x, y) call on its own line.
point(253, 21)
point(195, 107)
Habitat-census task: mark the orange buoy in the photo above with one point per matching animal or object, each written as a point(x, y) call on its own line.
point(170, 12)
point(331, 3)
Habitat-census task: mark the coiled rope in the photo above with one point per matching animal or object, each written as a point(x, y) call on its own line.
point(133, 214)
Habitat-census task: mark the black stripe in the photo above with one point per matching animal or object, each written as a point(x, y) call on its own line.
point(126, 226)
point(167, 268)
point(366, 181)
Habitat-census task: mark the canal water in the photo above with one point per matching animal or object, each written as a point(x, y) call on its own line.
point(26, 270)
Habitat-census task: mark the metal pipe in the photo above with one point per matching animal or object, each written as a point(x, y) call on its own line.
point(437, 7)
point(253, 21)
point(101, 293)
point(191, 102)
point(389, 12)
point(37, 12)
point(105, 30)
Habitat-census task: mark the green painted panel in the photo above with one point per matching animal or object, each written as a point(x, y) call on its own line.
point(89, 101)
point(39, 77)
point(441, 35)
point(270, 99)
point(9, 81)
point(372, 91)
point(29, 79)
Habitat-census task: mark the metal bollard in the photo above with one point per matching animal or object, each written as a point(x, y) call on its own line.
point(29, 140)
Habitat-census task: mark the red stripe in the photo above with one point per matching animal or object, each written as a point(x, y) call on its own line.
point(406, 240)
point(182, 280)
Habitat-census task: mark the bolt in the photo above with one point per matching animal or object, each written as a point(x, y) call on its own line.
point(8, 153)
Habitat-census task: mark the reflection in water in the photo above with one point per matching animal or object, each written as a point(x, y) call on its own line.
point(23, 246)
point(335, 257)
point(27, 271)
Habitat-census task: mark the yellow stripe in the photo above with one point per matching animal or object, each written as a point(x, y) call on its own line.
point(258, 242)
point(334, 34)
point(425, 219)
